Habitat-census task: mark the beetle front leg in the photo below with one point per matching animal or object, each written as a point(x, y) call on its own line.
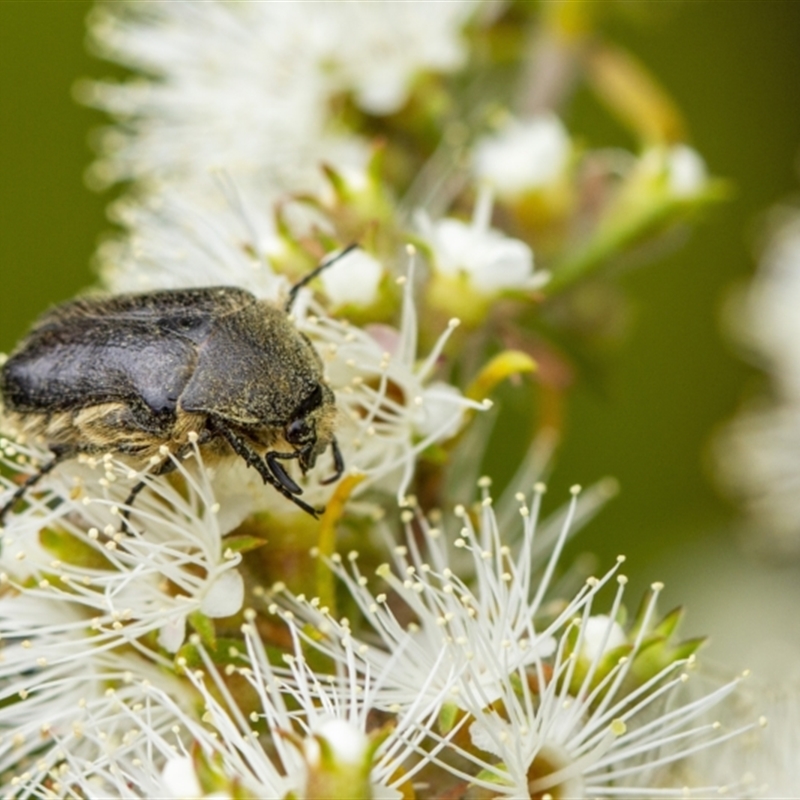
point(279, 472)
point(338, 463)
point(252, 459)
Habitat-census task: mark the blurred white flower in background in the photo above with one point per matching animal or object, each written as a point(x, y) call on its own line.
point(525, 155)
point(255, 102)
point(256, 98)
point(488, 259)
point(687, 171)
point(758, 453)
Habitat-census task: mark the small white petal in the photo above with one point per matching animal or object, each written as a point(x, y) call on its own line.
point(491, 260)
point(180, 778)
point(225, 596)
point(484, 737)
point(172, 634)
point(354, 279)
point(595, 631)
point(348, 743)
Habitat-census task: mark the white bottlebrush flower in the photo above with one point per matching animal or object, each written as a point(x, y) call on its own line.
point(170, 244)
point(547, 711)
point(238, 87)
point(247, 87)
point(763, 762)
point(757, 462)
point(489, 625)
point(604, 742)
point(774, 756)
point(375, 50)
point(525, 155)
point(765, 318)
point(306, 734)
point(170, 562)
point(488, 259)
point(64, 720)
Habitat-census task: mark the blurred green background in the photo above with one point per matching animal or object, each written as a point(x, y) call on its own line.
point(734, 69)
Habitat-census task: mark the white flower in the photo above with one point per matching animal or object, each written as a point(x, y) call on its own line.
point(170, 243)
point(318, 730)
point(169, 563)
point(375, 49)
point(489, 626)
point(600, 635)
point(503, 650)
point(773, 757)
point(247, 87)
point(180, 779)
point(757, 462)
point(64, 719)
point(761, 763)
point(235, 87)
point(605, 742)
point(524, 155)
point(490, 260)
point(765, 319)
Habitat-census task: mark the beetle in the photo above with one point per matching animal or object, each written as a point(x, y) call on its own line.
point(133, 374)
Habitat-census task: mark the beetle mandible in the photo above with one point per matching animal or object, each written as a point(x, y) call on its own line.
point(134, 373)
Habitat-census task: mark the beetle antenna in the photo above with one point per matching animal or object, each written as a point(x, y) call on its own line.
point(313, 274)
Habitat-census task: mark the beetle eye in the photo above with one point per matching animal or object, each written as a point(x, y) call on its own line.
point(314, 400)
point(298, 432)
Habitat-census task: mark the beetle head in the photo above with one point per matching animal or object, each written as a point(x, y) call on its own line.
point(310, 431)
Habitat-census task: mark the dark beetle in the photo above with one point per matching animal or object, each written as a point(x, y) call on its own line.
point(131, 374)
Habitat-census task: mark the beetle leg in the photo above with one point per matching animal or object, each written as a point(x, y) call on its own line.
point(32, 480)
point(338, 463)
point(279, 472)
point(164, 468)
point(252, 459)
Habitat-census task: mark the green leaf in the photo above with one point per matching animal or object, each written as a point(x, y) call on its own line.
point(448, 715)
point(244, 543)
point(669, 624)
point(72, 550)
point(688, 647)
point(205, 628)
point(227, 651)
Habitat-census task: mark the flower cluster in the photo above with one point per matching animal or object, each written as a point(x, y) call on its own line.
point(486, 678)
